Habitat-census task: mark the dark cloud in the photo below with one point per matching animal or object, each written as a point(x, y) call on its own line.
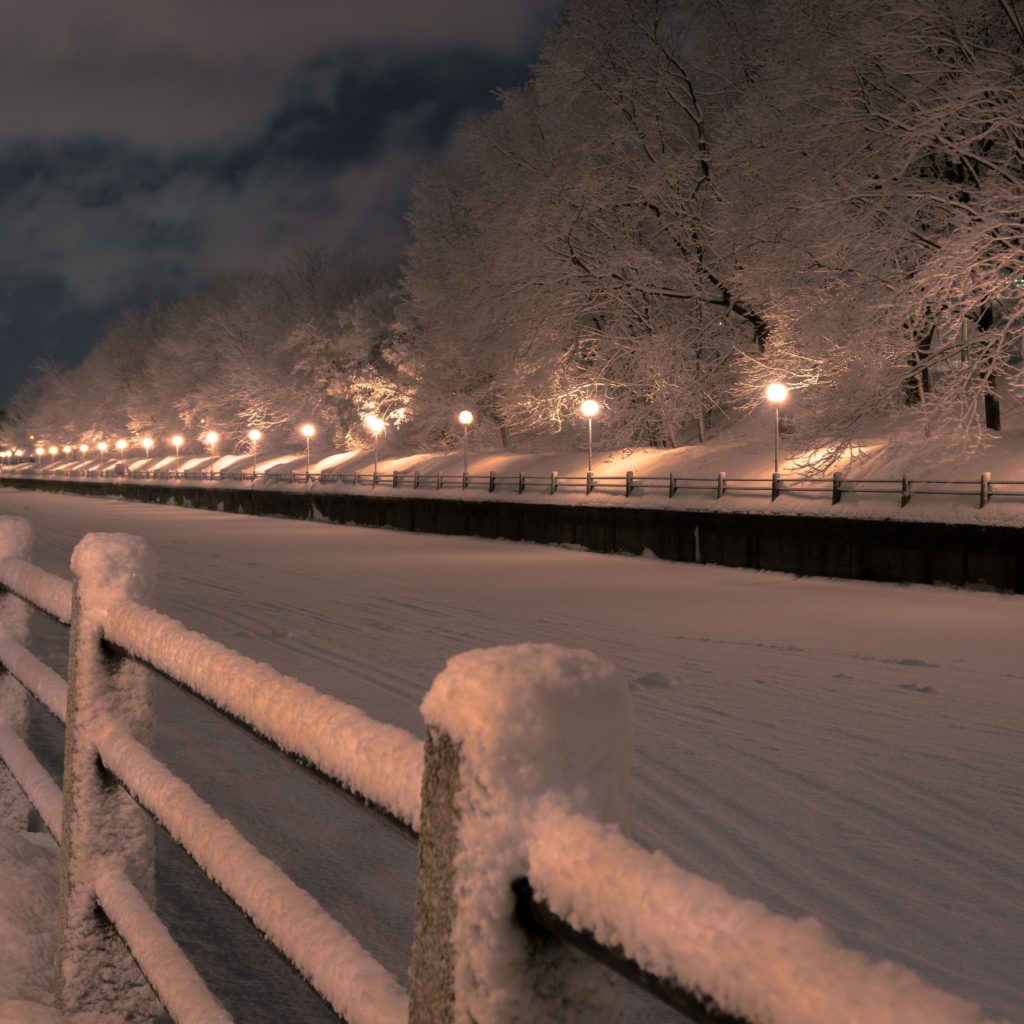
point(145, 148)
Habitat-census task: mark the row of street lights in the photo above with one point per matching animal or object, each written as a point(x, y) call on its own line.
point(776, 394)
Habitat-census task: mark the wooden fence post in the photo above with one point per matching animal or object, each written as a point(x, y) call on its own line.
point(509, 731)
point(905, 491)
point(721, 484)
point(102, 824)
point(837, 488)
point(554, 481)
point(776, 485)
point(15, 542)
point(491, 481)
point(985, 492)
point(629, 483)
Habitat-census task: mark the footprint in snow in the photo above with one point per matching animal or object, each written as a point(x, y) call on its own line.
point(915, 688)
point(654, 681)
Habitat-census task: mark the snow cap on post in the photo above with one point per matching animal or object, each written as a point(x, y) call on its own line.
point(536, 719)
point(112, 567)
point(510, 730)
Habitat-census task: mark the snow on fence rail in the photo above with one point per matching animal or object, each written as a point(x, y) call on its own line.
point(526, 884)
point(982, 489)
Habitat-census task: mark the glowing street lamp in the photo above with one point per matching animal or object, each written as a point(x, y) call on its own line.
point(53, 453)
point(177, 441)
point(466, 419)
point(375, 425)
point(776, 393)
point(83, 448)
point(254, 436)
point(103, 446)
point(147, 443)
point(307, 430)
point(66, 449)
point(590, 409)
point(40, 452)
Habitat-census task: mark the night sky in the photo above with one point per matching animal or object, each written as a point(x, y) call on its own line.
point(146, 147)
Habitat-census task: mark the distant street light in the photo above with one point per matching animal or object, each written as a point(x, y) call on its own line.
point(40, 452)
point(374, 424)
point(254, 436)
point(776, 394)
point(53, 453)
point(83, 448)
point(211, 438)
point(177, 441)
point(466, 419)
point(103, 446)
point(66, 449)
point(590, 409)
point(147, 444)
point(308, 431)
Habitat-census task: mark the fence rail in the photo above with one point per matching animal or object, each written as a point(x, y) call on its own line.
point(514, 869)
point(982, 489)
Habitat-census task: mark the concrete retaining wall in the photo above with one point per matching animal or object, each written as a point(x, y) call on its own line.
point(869, 549)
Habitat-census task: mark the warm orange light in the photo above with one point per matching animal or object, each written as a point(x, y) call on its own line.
point(254, 435)
point(147, 443)
point(40, 451)
point(177, 440)
point(307, 430)
point(590, 408)
point(465, 417)
point(374, 424)
point(121, 445)
point(212, 437)
point(103, 446)
point(83, 448)
point(776, 393)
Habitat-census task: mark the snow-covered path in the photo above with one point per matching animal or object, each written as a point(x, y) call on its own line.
point(849, 750)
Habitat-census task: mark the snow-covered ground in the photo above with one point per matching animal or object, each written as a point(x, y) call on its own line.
point(848, 750)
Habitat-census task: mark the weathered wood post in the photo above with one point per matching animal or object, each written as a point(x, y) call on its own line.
point(15, 542)
point(102, 824)
point(509, 731)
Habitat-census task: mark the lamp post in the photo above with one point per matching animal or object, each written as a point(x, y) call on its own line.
point(374, 424)
point(307, 430)
point(254, 436)
point(83, 448)
point(466, 419)
point(147, 444)
point(776, 394)
point(103, 446)
point(177, 441)
point(590, 409)
point(66, 449)
point(53, 453)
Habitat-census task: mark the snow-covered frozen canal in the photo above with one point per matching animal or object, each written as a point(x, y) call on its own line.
point(853, 751)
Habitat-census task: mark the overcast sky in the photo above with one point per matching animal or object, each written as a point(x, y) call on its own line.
point(147, 146)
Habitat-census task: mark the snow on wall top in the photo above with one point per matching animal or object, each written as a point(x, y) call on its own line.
point(380, 762)
point(752, 962)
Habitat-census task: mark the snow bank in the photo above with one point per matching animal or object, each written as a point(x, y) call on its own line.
point(359, 988)
point(379, 762)
point(528, 720)
point(28, 912)
point(753, 963)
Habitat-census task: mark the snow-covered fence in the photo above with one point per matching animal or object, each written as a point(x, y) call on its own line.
point(526, 881)
point(983, 489)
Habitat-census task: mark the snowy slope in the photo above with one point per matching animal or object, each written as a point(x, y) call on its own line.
point(843, 749)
